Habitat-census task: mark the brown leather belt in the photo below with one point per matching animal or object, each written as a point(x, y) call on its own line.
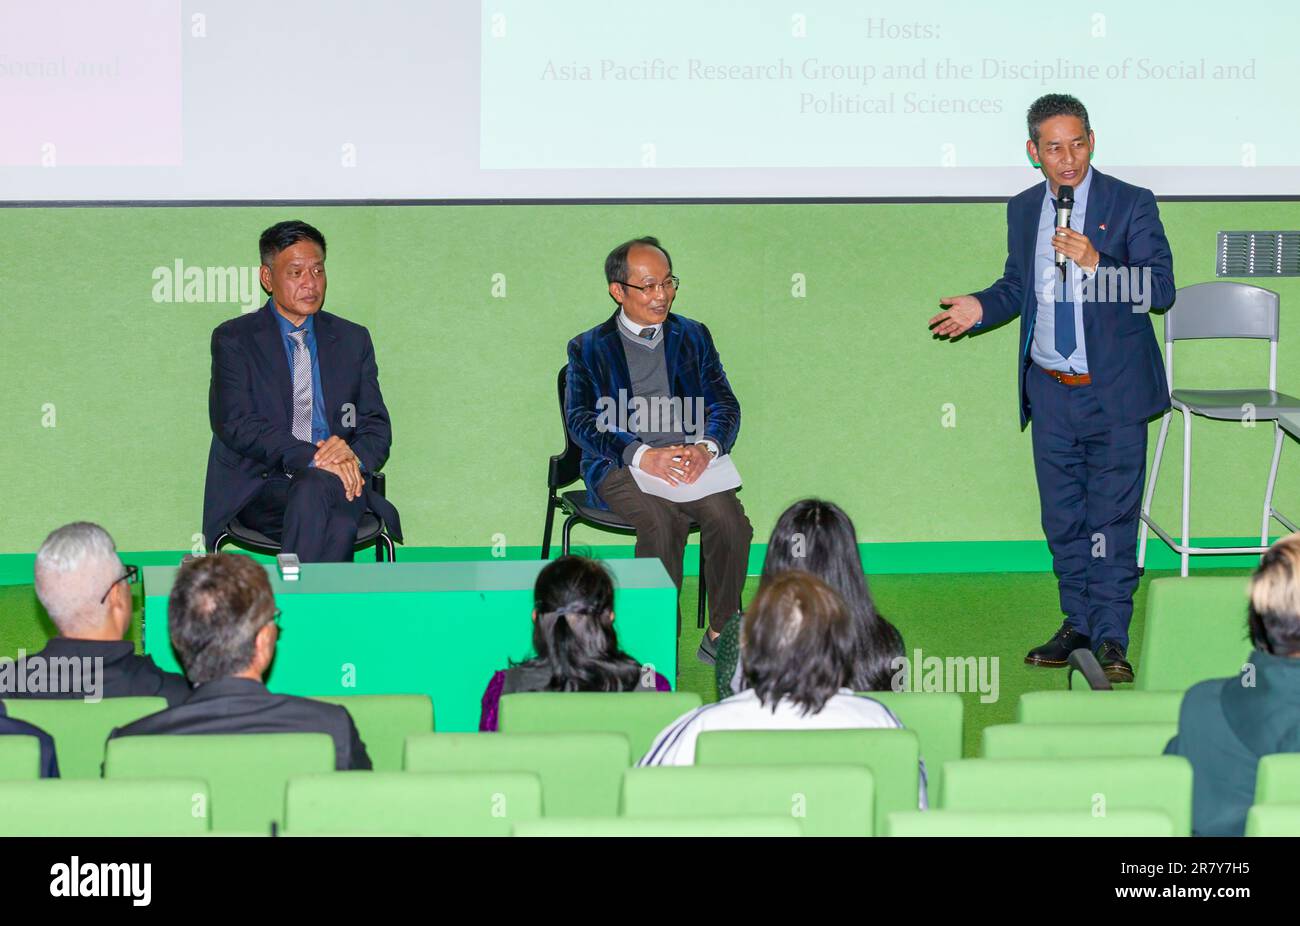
point(1068, 379)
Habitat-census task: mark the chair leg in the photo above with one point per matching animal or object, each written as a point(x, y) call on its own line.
point(550, 524)
point(564, 533)
point(392, 548)
point(1143, 528)
point(1187, 490)
point(701, 607)
point(1272, 481)
point(216, 546)
point(379, 548)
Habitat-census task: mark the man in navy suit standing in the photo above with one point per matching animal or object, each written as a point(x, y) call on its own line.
point(299, 425)
point(1089, 370)
point(645, 390)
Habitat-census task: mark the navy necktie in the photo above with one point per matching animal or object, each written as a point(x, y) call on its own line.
point(1065, 340)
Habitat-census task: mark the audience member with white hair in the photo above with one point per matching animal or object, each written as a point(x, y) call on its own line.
point(86, 590)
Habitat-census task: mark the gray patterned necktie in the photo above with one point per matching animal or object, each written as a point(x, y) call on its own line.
point(301, 385)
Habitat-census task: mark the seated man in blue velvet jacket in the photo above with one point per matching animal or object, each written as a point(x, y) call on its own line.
point(645, 358)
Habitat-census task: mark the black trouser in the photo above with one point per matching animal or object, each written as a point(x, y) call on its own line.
point(308, 515)
point(662, 527)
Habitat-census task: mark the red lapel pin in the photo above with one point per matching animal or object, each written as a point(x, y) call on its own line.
point(1102, 226)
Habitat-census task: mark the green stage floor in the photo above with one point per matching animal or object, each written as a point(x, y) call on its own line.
point(980, 615)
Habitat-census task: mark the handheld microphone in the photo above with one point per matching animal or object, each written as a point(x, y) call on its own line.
point(1064, 206)
point(1086, 664)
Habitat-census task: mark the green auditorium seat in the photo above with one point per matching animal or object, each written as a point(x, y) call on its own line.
point(1277, 780)
point(827, 800)
point(891, 756)
point(938, 720)
point(661, 826)
point(1075, 740)
point(1273, 820)
point(411, 803)
point(69, 807)
point(384, 722)
point(20, 758)
point(1099, 706)
point(581, 773)
point(1195, 629)
point(80, 728)
point(1162, 783)
point(246, 773)
point(1029, 823)
point(639, 715)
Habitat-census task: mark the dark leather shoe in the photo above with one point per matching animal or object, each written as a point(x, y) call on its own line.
point(1055, 653)
point(1114, 662)
point(708, 651)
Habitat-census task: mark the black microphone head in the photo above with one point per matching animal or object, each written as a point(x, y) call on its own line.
point(1065, 196)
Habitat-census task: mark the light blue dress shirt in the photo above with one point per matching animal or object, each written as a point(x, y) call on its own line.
point(1046, 279)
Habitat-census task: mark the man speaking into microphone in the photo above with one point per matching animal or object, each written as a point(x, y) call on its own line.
point(1087, 258)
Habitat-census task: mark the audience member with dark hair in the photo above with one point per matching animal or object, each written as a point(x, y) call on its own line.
point(10, 726)
point(573, 639)
point(1226, 724)
point(223, 625)
point(799, 645)
point(86, 591)
point(817, 537)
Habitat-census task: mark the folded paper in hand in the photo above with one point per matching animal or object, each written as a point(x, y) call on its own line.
point(719, 476)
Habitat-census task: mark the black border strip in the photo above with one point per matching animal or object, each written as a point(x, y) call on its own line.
point(652, 201)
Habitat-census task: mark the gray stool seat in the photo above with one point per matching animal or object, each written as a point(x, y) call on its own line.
point(1230, 404)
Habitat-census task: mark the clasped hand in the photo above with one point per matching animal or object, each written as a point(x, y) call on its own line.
point(335, 456)
point(677, 464)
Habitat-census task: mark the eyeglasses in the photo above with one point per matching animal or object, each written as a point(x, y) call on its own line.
point(672, 284)
point(131, 577)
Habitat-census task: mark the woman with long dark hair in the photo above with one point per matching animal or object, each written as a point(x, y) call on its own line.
point(818, 537)
point(574, 642)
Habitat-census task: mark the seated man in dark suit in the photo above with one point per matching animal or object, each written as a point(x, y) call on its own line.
point(86, 590)
point(222, 621)
point(299, 425)
point(49, 759)
point(642, 356)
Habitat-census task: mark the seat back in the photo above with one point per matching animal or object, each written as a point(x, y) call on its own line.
point(640, 715)
point(827, 800)
point(1160, 783)
point(890, 755)
point(662, 826)
point(246, 773)
point(1277, 780)
point(384, 722)
point(1273, 820)
point(20, 757)
point(581, 773)
point(937, 719)
point(1195, 629)
point(80, 728)
point(1029, 823)
point(1075, 740)
point(566, 466)
point(70, 807)
point(1090, 707)
point(411, 803)
point(1223, 309)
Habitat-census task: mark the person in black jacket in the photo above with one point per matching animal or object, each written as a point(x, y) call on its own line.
point(86, 591)
point(10, 726)
point(223, 625)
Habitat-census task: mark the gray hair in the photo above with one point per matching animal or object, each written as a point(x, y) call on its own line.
point(74, 567)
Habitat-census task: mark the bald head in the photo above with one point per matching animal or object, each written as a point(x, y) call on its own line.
point(74, 567)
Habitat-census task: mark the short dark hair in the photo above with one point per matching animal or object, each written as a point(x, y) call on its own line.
point(797, 641)
point(817, 536)
point(616, 262)
point(1051, 105)
point(218, 604)
point(283, 235)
